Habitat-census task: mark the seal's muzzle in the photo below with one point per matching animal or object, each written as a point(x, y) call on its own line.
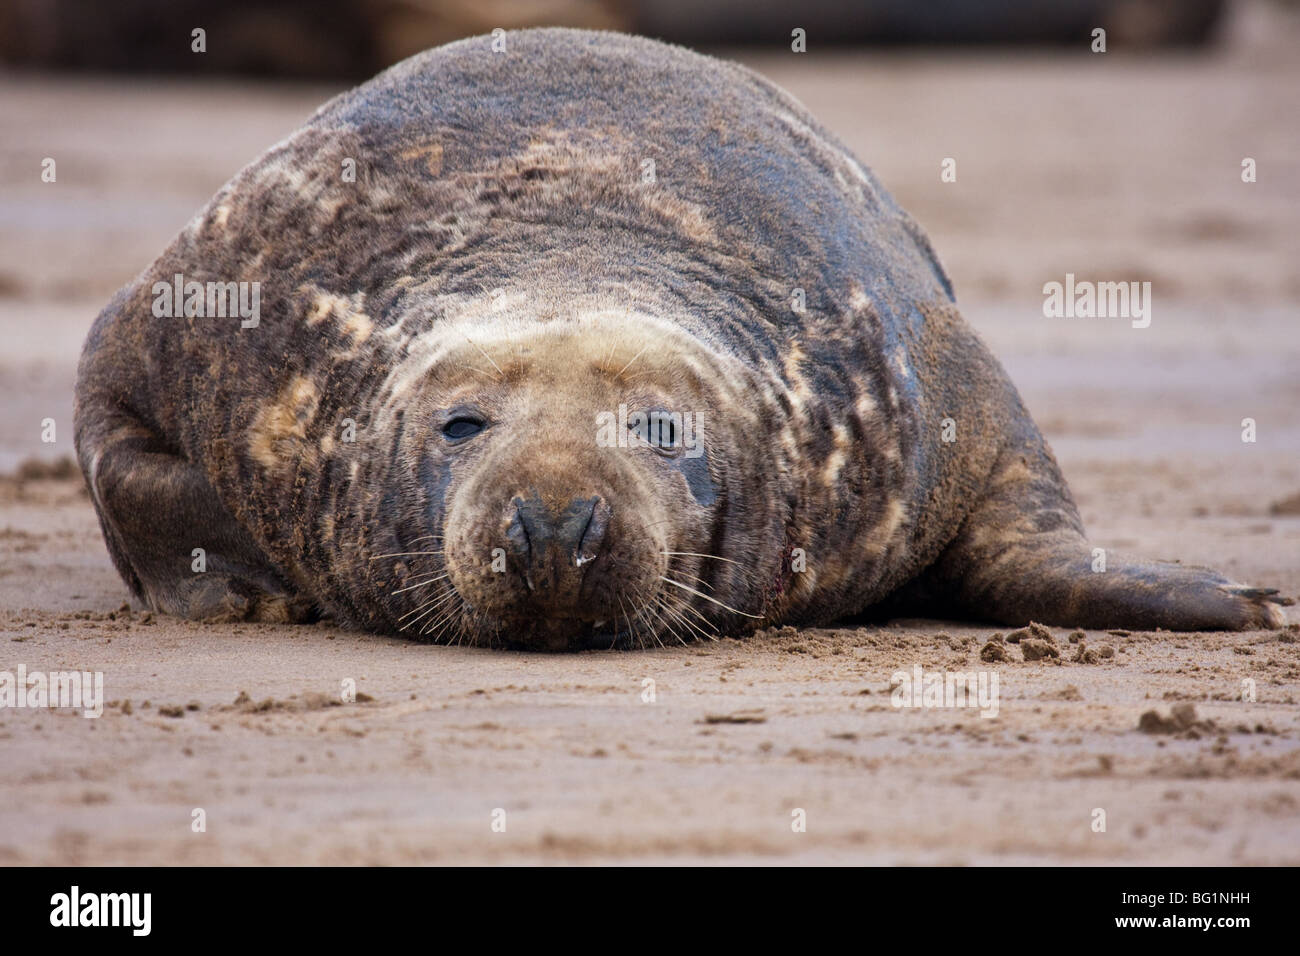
point(551, 549)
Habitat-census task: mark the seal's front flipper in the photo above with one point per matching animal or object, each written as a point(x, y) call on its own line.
point(1021, 556)
point(170, 537)
point(1053, 582)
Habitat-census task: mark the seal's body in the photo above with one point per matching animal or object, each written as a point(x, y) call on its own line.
point(576, 340)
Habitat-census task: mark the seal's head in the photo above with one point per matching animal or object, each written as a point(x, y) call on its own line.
point(577, 482)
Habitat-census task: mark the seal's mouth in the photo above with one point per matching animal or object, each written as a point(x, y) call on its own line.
point(570, 634)
point(605, 635)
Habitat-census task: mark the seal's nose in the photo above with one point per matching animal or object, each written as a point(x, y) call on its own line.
point(552, 547)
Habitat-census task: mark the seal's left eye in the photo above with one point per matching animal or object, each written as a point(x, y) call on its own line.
point(660, 430)
point(462, 427)
point(663, 430)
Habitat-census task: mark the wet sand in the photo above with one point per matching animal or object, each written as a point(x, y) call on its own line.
point(1124, 167)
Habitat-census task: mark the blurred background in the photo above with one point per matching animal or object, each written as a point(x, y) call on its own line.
point(352, 39)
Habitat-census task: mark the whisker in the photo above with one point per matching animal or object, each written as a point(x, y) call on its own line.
point(449, 607)
point(654, 631)
point(636, 634)
point(659, 617)
point(696, 554)
point(756, 617)
point(650, 627)
point(485, 355)
point(444, 627)
point(685, 606)
point(682, 606)
point(655, 524)
point(661, 605)
point(425, 604)
point(422, 584)
point(436, 602)
point(401, 554)
point(441, 622)
point(677, 615)
point(627, 619)
point(693, 578)
point(633, 359)
point(481, 371)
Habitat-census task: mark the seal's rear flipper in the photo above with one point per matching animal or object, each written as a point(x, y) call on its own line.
point(1021, 556)
point(170, 537)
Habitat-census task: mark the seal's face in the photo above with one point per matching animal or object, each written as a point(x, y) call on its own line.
point(573, 474)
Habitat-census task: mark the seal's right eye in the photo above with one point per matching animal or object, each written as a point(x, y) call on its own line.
point(461, 427)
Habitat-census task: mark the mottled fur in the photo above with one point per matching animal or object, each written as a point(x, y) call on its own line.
point(500, 248)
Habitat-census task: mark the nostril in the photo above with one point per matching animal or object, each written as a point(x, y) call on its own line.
point(593, 534)
point(517, 539)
